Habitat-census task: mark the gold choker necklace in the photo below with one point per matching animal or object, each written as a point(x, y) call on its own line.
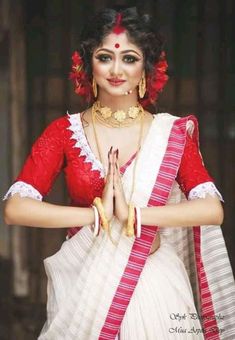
point(119, 118)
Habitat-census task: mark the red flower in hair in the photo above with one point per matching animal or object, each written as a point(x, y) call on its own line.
point(79, 77)
point(156, 81)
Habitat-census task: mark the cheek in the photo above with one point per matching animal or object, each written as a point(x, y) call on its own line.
point(135, 72)
point(98, 68)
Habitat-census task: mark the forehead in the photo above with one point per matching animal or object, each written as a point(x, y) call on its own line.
point(122, 39)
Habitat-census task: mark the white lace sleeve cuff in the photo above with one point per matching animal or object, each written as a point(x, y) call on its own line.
point(24, 190)
point(201, 190)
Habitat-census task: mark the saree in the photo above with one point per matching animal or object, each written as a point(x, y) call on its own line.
point(103, 290)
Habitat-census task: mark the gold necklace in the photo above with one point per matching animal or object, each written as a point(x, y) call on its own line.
point(118, 118)
point(93, 115)
point(135, 161)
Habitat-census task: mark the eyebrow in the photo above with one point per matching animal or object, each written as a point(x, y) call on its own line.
point(123, 52)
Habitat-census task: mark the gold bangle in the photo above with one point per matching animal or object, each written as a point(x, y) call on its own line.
point(130, 221)
point(104, 221)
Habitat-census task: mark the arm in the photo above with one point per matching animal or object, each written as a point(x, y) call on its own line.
point(34, 213)
point(203, 211)
point(203, 206)
point(23, 205)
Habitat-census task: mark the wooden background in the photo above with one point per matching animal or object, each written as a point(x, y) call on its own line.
point(36, 42)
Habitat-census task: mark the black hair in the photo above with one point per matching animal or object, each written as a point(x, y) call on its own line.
point(140, 30)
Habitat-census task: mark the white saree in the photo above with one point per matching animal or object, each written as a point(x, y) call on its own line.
point(83, 276)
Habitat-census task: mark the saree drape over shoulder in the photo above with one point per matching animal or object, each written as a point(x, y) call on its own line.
point(101, 290)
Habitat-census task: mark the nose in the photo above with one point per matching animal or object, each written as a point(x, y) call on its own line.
point(116, 68)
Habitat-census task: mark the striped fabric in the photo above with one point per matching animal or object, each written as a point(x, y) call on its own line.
point(91, 281)
point(216, 282)
point(205, 256)
point(207, 310)
point(142, 246)
point(202, 249)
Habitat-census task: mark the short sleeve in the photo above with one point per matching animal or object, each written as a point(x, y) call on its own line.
point(193, 177)
point(43, 163)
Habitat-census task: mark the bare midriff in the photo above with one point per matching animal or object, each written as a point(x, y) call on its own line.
point(156, 244)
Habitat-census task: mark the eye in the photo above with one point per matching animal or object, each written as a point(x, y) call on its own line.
point(103, 57)
point(130, 59)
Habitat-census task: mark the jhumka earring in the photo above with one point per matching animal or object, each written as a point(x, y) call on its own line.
point(94, 87)
point(142, 86)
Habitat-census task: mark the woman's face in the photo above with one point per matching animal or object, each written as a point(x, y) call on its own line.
point(117, 65)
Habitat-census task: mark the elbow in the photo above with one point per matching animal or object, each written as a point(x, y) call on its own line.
point(218, 214)
point(7, 220)
point(213, 209)
point(221, 216)
point(10, 212)
point(7, 214)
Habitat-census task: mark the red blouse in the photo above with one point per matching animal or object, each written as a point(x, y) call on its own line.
point(55, 150)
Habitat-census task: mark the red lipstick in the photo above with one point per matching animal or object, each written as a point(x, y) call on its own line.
point(116, 81)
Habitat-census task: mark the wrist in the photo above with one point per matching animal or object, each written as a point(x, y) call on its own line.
point(91, 215)
point(96, 225)
point(130, 226)
point(102, 215)
point(124, 216)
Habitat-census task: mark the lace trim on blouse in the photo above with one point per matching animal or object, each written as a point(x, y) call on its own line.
point(24, 190)
point(81, 142)
point(201, 190)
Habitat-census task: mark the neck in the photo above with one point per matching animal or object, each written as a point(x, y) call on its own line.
point(118, 102)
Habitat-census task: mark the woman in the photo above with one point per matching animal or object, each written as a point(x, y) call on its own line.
point(121, 273)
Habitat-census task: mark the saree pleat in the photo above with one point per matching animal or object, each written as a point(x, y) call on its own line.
point(84, 275)
point(164, 291)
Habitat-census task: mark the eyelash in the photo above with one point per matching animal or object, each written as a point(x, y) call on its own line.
point(104, 58)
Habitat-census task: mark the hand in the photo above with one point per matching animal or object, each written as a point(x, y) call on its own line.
point(120, 205)
point(108, 192)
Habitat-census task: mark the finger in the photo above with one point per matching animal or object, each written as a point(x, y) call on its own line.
point(114, 165)
point(110, 153)
point(117, 167)
point(111, 162)
point(117, 178)
point(110, 157)
point(109, 171)
point(115, 161)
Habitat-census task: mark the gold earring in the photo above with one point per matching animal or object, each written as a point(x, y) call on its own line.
point(142, 86)
point(94, 87)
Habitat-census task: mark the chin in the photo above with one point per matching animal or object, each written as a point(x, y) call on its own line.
point(120, 91)
point(115, 93)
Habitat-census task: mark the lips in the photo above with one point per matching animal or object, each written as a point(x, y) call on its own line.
point(116, 81)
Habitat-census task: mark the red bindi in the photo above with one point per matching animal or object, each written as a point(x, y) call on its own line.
point(117, 45)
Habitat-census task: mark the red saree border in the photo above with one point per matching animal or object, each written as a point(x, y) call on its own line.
point(142, 246)
point(208, 320)
point(207, 313)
